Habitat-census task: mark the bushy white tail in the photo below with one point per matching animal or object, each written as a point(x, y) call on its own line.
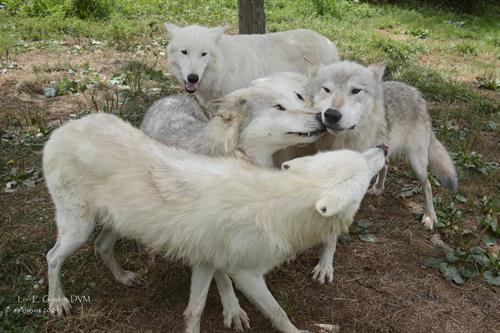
point(441, 164)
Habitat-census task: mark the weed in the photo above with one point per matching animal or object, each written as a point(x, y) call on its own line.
point(398, 52)
point(472, 161)
point(465, 49)
point(325, 7)
point(7, 43)
point(419, 33)
point(488, 82)
point(91, 9)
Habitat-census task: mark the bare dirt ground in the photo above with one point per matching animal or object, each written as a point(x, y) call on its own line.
point(378, 287)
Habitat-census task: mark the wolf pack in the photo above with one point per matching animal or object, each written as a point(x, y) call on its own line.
point(269, 154)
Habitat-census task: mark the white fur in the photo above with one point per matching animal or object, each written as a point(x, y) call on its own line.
point(225, 63)
point(216, 214)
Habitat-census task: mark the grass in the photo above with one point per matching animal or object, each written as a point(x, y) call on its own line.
point(451, 57)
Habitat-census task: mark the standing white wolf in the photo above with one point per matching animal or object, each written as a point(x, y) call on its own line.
point(252, 121)
point(211, 64)
point(217, 214)
point(358, 110)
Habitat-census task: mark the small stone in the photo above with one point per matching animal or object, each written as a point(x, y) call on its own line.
point(28, 277)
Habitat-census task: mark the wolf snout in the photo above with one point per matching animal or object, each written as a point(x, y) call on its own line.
point(384, 147)
point(193, 78)
point(332, 116)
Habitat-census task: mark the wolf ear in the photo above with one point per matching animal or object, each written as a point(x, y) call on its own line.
point(378, 69)
point(331, 204)
point(218, 32)
point(171, 29)
point(312, 67)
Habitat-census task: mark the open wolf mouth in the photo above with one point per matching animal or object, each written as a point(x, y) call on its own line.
point(338, 130)
point(190, 87)
point(309, 134)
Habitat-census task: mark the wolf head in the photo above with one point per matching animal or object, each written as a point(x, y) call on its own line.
point(269, 121)
point(345, 176)
point(345, 93)
point(292, 85)
point(190, 51)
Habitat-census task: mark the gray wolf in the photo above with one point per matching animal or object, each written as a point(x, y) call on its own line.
point(211, 64)
point(216, 214)
point(359, 109)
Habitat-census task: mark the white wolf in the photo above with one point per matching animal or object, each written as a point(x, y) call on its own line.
point(250, 122)
point(211, 64)
point(359, 110)
point(254, 121)
point(217, 214)
point(294, 87)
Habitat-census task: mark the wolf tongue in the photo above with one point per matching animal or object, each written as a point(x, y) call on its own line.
point(191, 87)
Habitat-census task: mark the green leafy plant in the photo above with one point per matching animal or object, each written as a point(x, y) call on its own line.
point(488, 82)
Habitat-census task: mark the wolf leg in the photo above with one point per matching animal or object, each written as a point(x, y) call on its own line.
point(378, 186)
point(323, 272)
point(74, 226)
point(233, 313)
point(419, 161)
point(103, 245)
point(200, 283)
point(254, 287)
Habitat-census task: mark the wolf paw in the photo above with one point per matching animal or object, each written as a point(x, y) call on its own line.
point(130, 279)
point(59, 307)
point(375, 190)
point(428, 222)
point(237, 318)
point(323, 273)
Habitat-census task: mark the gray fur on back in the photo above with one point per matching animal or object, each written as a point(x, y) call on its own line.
point(404, 105)
point(178, 121)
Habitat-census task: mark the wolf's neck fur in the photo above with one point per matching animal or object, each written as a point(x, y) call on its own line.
point(259, 154)
point(219, 137)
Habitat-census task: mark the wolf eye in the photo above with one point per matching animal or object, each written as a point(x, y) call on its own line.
point(184, 51)
point(355, 91)
point(279, 107)
point(299, 96)
point(326, 89)
point(203, 54)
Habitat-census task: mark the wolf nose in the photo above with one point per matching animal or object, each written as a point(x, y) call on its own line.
point(318, 117)
point(193, 78)
point(332, 116)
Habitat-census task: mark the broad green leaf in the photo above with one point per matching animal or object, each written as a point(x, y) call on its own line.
point(451, 273)
point(481, 259)
point(363, 223)
point(491, 278)
point(489, 240)
point(467, 271)
point(461, 198)
point(451, 257)
point(368, 238)
point(433, 262)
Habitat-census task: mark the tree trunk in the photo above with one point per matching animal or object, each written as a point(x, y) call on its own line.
point(252, 16)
